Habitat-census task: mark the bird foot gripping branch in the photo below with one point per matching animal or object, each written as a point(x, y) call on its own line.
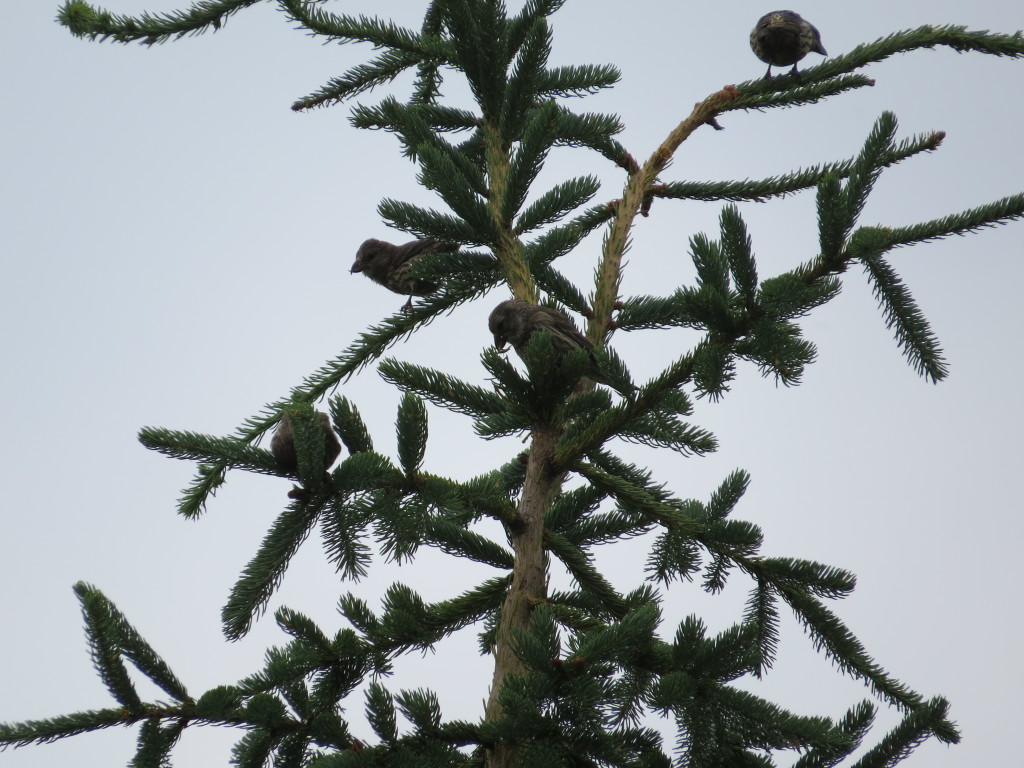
point(388, 265)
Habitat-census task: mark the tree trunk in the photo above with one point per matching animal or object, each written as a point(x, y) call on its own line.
point(529, 575)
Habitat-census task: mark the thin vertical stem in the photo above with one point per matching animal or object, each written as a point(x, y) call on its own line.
point(638, 188)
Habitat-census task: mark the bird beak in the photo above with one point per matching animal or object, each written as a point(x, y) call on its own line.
point(499, 344)
point(355, 268)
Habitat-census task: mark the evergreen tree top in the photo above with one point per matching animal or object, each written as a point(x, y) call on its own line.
point(579, 658)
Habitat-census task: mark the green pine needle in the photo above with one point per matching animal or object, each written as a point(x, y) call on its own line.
point(84, 20)
point(913, 333)
point(264, 572)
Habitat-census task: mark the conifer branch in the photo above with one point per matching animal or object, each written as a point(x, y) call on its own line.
point(576, 81)
point(834, 72)
point(264, 572)
point(854, 725)
point(536, 131)
point(371, 344)
point(832, 636)
point(427, 223)
point(204, 485)
point(230, 452)
point(582, 570)
point(926, 720)
point(636, 497)
point(833, 221)
point(471, 606)
point(467, 501)
point(959, 38)
point(819, 579)
point(867, 168)
point(155, 742)
point(387, 116)
point(560, 240)
point(762, 615)
point(458, 541)
point(633, 200)
point(342, 527)
point(764, 725)
point(349, 425)
point(913, 332)
point(527, 67)
point(673, 556)
point(761, 190)
point(661, 430)
point(571, 507)
point(462, 270)
point(607, 527)
point(628, 419)
point(381, 34)
point(441, 389)
point(559, 287)
point(84, 20)
point(988, 215)
point(638, 188)
point(629, 637)
point(132, 645)
point(53, 728)
point(532, 10)
point(556, 203)
point(104, 647)
point(768, 94)
point(359, 79)
point(411, 429)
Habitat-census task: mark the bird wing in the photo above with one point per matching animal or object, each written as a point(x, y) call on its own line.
point(419, 247)
point(564, 334)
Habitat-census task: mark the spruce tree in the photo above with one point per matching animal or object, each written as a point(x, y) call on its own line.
point(577, 673)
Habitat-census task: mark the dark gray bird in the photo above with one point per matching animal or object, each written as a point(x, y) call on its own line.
point(515, 321)
point(282, 445)
point(781, 38)
point(388, 265)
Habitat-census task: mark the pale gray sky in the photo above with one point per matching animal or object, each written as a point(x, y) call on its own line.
point(176, 244)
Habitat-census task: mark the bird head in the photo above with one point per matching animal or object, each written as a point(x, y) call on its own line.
point(367, 255)
point(504, 322)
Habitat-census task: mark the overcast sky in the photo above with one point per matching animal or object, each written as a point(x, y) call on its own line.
point(176, 244)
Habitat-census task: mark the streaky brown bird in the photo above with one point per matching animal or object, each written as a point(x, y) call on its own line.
point(515, 321)
point(282, 445)
point(782, 38)
point(388, 265)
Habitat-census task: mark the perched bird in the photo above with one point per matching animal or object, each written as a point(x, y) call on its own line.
point(515, 321)
point(282, 445)
point(781, 38)
point(388, 265)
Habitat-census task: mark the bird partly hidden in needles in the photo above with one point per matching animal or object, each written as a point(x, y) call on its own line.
point(515, 321)
point(781, 38)
point(282, 445)
point(388, 265)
